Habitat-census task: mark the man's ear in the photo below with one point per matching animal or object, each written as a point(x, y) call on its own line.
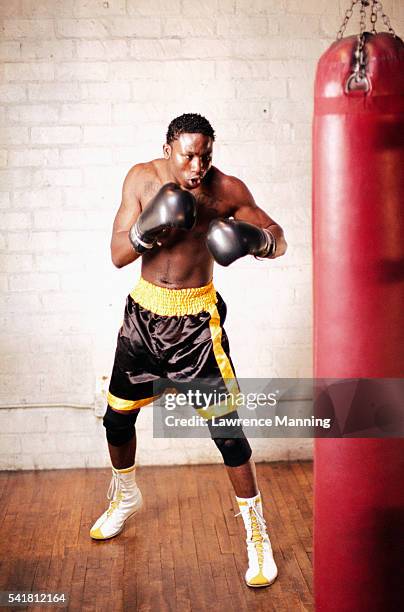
point(167, 151)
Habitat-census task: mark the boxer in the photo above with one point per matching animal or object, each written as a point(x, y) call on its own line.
point(179, 213)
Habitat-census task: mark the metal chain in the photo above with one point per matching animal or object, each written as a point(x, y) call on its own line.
point(360, 56)
point(373, 16)
point(347, 17)
point(378, 8)
point(358, 79)
point(362, 25)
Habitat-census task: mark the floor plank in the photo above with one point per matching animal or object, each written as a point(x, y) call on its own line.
point(185, 550)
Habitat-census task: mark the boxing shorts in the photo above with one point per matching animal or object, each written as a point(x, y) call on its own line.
point(172, 338)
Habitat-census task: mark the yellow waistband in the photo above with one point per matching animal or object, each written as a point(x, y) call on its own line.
point(174, 302)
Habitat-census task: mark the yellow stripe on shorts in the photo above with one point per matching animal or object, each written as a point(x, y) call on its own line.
point(117, 403)
point(224, 365)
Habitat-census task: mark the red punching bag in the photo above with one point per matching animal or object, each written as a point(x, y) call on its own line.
point(358, 257)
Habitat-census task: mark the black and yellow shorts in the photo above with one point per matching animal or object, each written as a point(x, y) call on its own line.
point(172, 336)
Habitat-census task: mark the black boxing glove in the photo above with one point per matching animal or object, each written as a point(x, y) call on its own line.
point(172, 206)
point(228, 240)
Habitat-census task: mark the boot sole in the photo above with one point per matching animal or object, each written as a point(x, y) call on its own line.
point(121, 529)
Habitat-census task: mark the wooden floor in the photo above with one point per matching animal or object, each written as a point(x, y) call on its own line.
point(183, 551)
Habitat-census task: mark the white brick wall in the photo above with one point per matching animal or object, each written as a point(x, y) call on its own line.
point(88, 88)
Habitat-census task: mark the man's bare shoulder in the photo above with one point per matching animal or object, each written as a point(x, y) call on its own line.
point(144, 179)
point(228, 184)
point(144, 171)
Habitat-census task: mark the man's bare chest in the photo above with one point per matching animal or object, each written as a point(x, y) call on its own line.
point(211, 203)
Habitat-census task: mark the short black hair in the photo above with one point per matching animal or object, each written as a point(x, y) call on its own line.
point(189, 123)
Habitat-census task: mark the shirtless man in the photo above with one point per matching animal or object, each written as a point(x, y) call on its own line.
point(179, 214)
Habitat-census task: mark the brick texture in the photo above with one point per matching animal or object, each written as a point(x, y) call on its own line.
point(87, 90)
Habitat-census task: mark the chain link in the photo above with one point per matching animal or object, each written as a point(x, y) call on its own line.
point(378, 7)
point(373, 16)
point(360, 56)
point(348, 15)
point(358, 79)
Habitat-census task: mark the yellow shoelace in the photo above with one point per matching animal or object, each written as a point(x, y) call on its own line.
point(256, 537)
point(114, 504)
point(257, 524)
point(114, 494)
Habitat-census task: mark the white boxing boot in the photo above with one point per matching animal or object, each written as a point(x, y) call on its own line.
point(262, 570)
point(125, 500)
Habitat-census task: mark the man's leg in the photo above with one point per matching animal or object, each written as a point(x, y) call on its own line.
point(134, 373)
point(123, 456)
point(121, 437)
point(124, 494)
point(236, 453)
point(244, 479)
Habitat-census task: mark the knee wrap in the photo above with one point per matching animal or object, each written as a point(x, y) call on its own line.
point(231, 442)
point(235, 451)
point(120, 427)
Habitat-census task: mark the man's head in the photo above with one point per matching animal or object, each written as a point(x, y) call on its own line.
point(188, 149)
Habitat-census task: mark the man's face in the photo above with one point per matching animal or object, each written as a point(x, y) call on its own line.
point(190, 157)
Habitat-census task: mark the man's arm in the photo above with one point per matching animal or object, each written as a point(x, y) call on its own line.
point(245, 209)
point(122, 252)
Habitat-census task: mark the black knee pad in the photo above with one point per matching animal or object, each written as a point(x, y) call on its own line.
point(235, 451)
point(120, 427)
point(231, 441)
